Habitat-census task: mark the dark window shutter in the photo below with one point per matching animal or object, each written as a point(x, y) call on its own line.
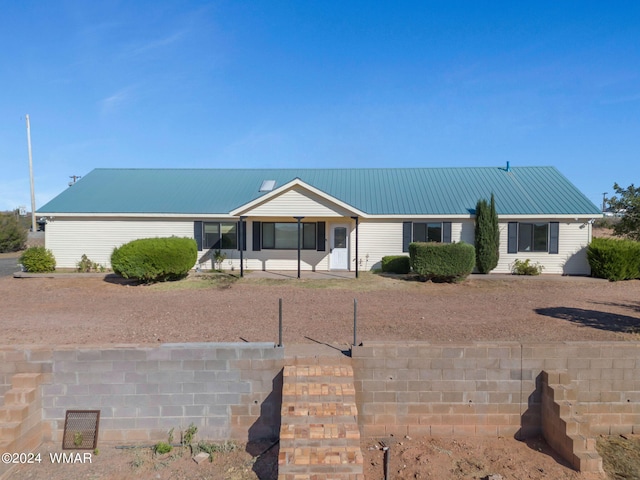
point(554, 235)
point(256, 236)
point(197, 234)
point(321, 237)
point(406, 236)
point(446, 232)
point(512, 234)
point(242, 235)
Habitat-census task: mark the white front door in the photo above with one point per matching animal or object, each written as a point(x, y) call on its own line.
point(339, 253)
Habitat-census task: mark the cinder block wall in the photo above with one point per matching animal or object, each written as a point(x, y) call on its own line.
point(485, 388)
point(22, 359)
point(224, 389)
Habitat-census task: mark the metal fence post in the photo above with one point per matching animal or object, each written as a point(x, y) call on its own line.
point(280, 322)
point(355, 322)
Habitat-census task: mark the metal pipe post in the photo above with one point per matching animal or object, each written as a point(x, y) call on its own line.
point(355, 322)
point(280, 322)
point(386, 451)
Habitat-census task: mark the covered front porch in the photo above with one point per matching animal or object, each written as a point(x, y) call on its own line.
point(299, 230)
point(304, 274)
point(299, 246)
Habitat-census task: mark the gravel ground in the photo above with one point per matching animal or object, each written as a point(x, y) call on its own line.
point(105, 310)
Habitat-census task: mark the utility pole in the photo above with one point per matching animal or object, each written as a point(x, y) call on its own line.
point(33, 195)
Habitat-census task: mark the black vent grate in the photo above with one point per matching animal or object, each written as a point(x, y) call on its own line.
point(81, 430)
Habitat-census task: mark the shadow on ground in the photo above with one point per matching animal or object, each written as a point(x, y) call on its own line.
point(595, 319)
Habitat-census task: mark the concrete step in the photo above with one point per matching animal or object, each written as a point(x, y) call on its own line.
point(9, 431)
point(20, 396)
point(26, 380)
point(13, 413)
point(587, 461)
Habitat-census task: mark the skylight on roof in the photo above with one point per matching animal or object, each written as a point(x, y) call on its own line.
point(267, 185)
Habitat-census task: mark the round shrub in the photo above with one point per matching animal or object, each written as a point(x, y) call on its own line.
point(155, 259)
point(396, 264)
point(614, 259)
point(38, 260)
point(442, 262)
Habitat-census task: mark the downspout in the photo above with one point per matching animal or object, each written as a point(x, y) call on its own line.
point(356, 219)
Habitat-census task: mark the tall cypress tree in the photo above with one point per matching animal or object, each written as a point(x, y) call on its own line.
point(487, 235)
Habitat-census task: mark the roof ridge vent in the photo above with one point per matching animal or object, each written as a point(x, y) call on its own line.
point(267, 185)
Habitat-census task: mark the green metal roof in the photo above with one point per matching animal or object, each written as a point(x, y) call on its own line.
point(375, 191)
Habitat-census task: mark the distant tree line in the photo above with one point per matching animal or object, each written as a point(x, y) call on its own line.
point(626, 201)
point(13, 232)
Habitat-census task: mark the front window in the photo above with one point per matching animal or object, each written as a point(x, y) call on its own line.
point(284, 235)
point(533, 237)
point(220, 235)
point(427, 232)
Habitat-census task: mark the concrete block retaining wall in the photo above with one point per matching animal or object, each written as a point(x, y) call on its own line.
point(225, 389)
point(479, 388)
point(233, 390)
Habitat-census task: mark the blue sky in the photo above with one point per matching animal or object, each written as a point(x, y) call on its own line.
point(217, 84)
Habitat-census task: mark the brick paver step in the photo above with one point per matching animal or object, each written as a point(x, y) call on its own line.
point(336, 372)
point(345, 457)
point(316, 388)
point(319, 435)
point(334, 431)
point(318, 409)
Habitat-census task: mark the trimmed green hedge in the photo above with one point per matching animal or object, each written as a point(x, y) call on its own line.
point(155, 259)
point(442, 262)
point(614, 259)
point(38, 260)
point(396, 264)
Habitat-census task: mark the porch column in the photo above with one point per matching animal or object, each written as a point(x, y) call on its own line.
point(356, 219)
point(242, 243)
point(299, 242)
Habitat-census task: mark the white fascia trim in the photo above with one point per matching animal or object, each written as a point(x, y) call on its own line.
point(400, 216)
point(293, 183)
point(138, 215)
point(573, 216)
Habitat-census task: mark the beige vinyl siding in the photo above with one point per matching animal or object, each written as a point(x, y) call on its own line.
point(379, 238)
point(69, 239)
point(297, 202)
point(571, 259)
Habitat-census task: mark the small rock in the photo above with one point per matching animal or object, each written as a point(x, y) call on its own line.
point(495, 476)
point(201, 457)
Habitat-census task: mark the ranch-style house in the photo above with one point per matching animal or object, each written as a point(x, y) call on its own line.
point(321, 219)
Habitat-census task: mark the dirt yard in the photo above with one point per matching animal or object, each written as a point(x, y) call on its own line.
point(214, 308)
point(90, 310)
